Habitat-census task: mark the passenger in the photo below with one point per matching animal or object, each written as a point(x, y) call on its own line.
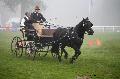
point(26, 22)
point(25, 19)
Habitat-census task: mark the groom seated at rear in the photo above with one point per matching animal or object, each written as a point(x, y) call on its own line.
point(26, 25)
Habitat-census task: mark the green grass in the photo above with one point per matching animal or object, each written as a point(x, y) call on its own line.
point(101, 62)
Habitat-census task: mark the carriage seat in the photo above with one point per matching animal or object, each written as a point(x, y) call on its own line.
point(38, 27)
point(41, 31)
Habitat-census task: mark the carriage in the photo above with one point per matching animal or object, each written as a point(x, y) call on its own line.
point(40, 41)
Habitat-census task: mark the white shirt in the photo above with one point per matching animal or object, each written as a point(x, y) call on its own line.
point(23, 21)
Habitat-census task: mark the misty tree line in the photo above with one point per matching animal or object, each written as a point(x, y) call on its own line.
point(26, 5)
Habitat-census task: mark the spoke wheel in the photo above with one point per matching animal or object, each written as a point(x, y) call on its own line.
point(44, 49)
point(54, 55)
point(17, 46)
point(31, 50)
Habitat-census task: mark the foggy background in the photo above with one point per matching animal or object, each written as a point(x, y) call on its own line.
point(63, 12)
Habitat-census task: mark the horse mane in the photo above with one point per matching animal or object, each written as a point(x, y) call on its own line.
point(79, 25)
point(79, 29)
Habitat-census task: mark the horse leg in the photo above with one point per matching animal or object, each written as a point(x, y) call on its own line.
point(63, 50)
point(73, 58)
point(77, 53)
point(55, 49)
point(59, 57)
point(58, 53)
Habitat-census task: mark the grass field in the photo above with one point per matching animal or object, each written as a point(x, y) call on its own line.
point(101, 62)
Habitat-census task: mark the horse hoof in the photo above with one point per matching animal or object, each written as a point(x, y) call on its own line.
point(59, 60)
point(45, 55)
point(71, 61)
point(65, 57)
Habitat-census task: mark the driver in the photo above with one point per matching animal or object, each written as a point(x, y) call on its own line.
point(36, 16)
point(38, 19)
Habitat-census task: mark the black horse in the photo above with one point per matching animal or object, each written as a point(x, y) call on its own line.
point(72, 37)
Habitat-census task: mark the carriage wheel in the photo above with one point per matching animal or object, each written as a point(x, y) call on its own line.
point(54, 55)
point(17, 46)
point(31, 50)
point(44, 48)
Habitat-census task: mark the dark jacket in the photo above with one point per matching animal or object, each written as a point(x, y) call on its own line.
point(37, 17)
point(28, 23)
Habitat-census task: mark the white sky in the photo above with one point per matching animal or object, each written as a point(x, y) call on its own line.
point(67, 12)
point(70, 12)
point(103, 12)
